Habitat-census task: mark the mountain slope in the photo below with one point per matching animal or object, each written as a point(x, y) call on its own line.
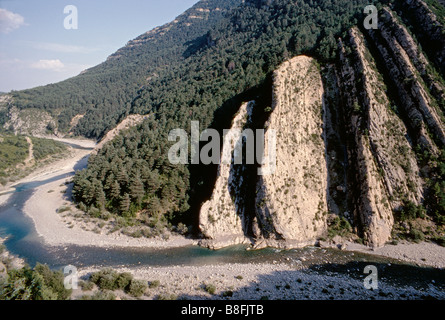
point(231, 66)
point(370, 166)
point(102, 95)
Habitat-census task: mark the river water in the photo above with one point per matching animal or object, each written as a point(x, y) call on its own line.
point(23, 241)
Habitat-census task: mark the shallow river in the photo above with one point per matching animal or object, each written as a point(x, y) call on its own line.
point(24, 242)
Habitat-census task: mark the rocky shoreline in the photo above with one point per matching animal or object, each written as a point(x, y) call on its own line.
point(281, 281)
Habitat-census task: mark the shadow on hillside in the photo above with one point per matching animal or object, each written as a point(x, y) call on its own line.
point(203, 177)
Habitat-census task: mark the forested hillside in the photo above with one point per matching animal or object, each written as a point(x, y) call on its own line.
point(103, 94)
point(228, 64)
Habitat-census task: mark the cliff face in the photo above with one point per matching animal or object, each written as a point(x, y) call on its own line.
point(411, 86)
point(347, 140)
point(431, 29)
point(385, 166)
point(222, 218)
point(29, 121)
point(291, 201)
point(291, 204)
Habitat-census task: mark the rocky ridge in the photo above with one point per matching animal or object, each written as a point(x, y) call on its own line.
point(376, 107)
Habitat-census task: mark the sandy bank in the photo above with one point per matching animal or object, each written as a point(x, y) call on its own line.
point(61, 229)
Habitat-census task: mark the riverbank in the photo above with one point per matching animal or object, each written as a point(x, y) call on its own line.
point(422, 254)
point(4, 198)
point(7, 260)
point(264, 281)
point(59, 223)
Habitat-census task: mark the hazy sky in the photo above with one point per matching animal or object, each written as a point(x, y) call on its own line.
point(36, 48)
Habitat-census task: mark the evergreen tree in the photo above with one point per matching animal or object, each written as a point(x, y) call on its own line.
point(125, 203)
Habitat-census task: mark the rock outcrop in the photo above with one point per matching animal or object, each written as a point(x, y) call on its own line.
point(419, 103)
point(130, 121)
point(350, 141)
point(222, 219)
point(430, 28)
point(33, 122)
point(398, 31)
point(384, 165)
point(291, 204)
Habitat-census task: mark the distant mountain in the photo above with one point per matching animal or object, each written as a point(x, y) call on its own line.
point(100, 96)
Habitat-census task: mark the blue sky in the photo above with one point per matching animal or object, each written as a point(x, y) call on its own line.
point(36, 49)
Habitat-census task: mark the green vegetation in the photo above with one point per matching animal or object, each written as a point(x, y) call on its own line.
point(230, 63)
point(39, 283)
point(339, 227)
point(104, 93)
point(210, 288)
point(410, 211)
point(110, 280)
point(100, 296)
point(42, 148)
point(435, 195)
point(438, 9)
point(14, 150)
point(154, 284)
point(203, 73)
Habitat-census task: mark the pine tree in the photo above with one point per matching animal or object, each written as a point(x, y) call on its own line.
point(115, 192)
point(137, 191)
point(125, 203)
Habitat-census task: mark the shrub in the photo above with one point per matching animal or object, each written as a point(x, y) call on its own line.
point(137, 288)
point(417, 235)
point(154, 284)
point(54, 280)
point(228, 294)
point(167, 297)
point(339, 226)
point(86, 285)
point(410, 211)
point(63, 209)
point(105, 279)
point(124, 280)
point(210, 288)
point(182, 228)
point(39, 283)
point(100, 295)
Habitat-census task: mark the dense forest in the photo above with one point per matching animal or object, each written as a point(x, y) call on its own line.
point(104, 93)
point(230, 63)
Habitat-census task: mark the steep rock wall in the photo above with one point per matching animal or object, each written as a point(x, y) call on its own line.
point(385, 168)
point(291, 203)
point(413, 84)
point(405, 39)
point(222, 219)
point(431, 29)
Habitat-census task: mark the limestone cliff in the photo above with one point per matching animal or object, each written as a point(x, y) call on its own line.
point(385, 167)
point(431, 29)
point(291, 204)
point(418, 102)
point(351, 140)
point(130, 121)
point(222, 219)
point(33, 122)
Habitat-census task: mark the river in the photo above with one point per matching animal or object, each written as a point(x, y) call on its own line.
point(24, 242)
